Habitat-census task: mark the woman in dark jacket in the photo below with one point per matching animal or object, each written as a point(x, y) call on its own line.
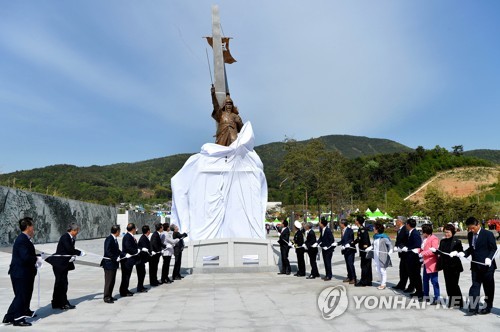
point(448, 261)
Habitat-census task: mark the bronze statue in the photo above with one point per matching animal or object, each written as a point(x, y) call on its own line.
point(228, 120)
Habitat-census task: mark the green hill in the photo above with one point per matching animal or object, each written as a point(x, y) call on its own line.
point(491, 155)
point(149, 181)
point(351, 147)
point(359, 146)
point(124, 182)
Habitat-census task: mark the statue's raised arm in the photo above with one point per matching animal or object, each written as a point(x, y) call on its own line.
point(215, 103)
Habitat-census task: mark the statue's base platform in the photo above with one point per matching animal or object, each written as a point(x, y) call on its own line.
point(236, 255)
point(231, 253)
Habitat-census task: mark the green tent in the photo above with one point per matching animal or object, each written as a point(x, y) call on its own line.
point(377, 214)
point(369, 214)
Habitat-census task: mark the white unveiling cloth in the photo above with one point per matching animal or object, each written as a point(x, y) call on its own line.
point(221, 192)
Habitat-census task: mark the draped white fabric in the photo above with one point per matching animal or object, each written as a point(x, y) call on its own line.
point(221, 192)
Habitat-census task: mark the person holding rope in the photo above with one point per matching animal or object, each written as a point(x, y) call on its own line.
point(363, 242)
point(145, 256)
point(348, 250)
point(430, 272)
point(312, 250)
point(380, 252)
point(22, 271)
point(169, 243)
point(284, 242)
point(482, 248)
point(131, 251)
point(109, 263)
point(401, 241)
point(298, 241)
point(413, 263)
point(156, 249)
point(450, 264)
point(178, 248)
point(62, 263)
point(328, 244)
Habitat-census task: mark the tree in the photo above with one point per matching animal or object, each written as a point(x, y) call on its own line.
point(316, 172)
point(458, 150)
point(333, 185)
point(434, 205)
point(300, 167)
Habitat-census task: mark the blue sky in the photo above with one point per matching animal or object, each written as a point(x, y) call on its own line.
point(89, 82)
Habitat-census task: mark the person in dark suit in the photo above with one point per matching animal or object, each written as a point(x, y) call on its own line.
point(156, 247)
point(284, 241)
point(312, 250)
point(145, 248)
point(413, 264)
point(328, 244)
point(482, 248)
point(62, 263)
point(22, 273)
point(402, 241)
point(178, 248)
point(363, 242)
point(348, 250)
point(109, 263)
point(451, 265)
point(298, 241)
point(131, 251)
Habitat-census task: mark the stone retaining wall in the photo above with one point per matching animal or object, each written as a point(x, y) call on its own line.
point(51, 215)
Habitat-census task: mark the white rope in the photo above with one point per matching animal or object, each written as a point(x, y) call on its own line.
point(481, 263)
point(380, 252)
point(39, 277)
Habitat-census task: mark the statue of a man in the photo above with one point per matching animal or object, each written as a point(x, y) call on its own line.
point(228, 120)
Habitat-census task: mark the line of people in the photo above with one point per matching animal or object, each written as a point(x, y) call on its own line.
point(420, 258)
point(444, 255)
point(305, 240)
point(166, 241)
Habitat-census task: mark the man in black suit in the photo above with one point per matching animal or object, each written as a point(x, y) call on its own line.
point(312, 250)
point(145, 248)
point(22, 273)
point(402, 241)
point(110, 263)
point(62, 263)
point(178, 248)
point(348, 250)
point(363, 242)
point(328, 244)
point(298, 241)
point(131, 251)
point(156, 247)
point(482, 248)
point(413, 264)
point(284, 241)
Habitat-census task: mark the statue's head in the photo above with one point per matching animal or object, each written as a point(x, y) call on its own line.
point(228, 105)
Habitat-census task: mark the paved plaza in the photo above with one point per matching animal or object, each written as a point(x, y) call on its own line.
point(227, 301)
